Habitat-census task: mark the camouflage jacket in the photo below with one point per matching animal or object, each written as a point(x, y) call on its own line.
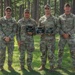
point(21, 29)
point(50, 22)
point(67, 24)
point(7, 27)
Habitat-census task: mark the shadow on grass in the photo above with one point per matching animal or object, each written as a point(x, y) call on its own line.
point(10, 73)
point(25, 72)
point(44, 72)
point(68, 72)
point(47, 72)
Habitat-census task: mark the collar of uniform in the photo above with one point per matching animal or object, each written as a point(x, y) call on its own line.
point(48, 16)
point(67, 15)
point(26, 19)
point(6, 18)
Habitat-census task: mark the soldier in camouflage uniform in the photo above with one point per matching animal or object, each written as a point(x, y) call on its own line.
point(25, 39)
point(67, 31)
point(8, 30)
point(47, 43)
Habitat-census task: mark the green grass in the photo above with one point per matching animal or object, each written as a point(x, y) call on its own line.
point(67, 64)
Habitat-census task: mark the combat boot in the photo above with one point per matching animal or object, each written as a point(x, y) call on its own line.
point(42, 67)
point(59, 67)
point(51, 68)
point(30, 68)
point(73, 69)
point(10, 67)
point(1, 69)
point(21, 68)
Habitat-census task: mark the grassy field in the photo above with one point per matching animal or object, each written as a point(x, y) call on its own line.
point(67, 64)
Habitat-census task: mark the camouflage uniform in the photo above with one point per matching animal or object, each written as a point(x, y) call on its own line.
point(47, 43)
point(67, 25)
point(27, 40)
point(8, 29)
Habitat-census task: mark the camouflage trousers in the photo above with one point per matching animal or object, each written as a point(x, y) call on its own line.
point(47, 48)
point(10, 48)
point(71, 44)
point(29, 47)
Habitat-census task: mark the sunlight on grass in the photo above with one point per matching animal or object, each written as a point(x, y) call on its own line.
point(66, 63)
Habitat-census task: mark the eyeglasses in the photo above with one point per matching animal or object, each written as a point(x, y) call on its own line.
point(47, 8)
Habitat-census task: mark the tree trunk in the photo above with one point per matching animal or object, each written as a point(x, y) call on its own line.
point(38, 13)
point(35, 9)
point(62, 2)
point(7, 3)
point(14, 8)
point(48, 1)
point(55, 7)
point(21, 10)
point(28, 4)
point(73, 7)
point(45, 2)
point(1, 8)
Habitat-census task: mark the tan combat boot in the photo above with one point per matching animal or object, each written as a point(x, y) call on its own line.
point(73, 69)
point(59, 67)
point(1, 69)
point(42, 67)
point(52, 68)
point(10, 67)
point(30, 68)
point(21, 68)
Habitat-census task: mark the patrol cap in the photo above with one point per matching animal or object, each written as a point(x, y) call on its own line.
point(47, 6)
point(67, 5)
point(26, 10)
point(8, 7)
